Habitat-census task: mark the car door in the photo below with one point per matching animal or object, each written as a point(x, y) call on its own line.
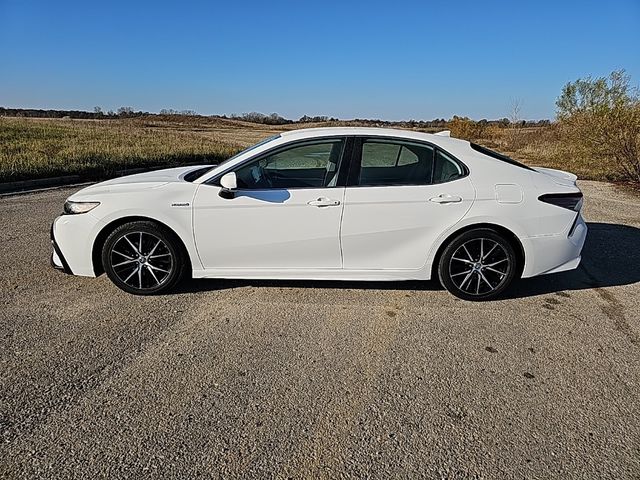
point(285, 213)
point(400, 197)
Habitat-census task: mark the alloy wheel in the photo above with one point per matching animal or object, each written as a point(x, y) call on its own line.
point(479, 266)
point(141, 260)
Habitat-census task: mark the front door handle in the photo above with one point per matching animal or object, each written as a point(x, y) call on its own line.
point(324, 202)
point(446, 198)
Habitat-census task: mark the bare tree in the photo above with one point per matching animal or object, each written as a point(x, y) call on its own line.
point(515, 110)
point(514, 137)
point(124, 111)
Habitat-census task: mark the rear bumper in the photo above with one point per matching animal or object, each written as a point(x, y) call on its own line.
point(57, 258)
point(555, 253)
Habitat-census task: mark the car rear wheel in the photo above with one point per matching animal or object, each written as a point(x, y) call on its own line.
point(478, 265)
point(143, 258)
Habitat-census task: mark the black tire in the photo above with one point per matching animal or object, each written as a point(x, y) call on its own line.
point(464, 274)
point(162, 261)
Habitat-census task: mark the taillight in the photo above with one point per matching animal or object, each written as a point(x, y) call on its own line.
point(571, 201)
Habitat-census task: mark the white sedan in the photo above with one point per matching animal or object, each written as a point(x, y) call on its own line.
point(330, 204)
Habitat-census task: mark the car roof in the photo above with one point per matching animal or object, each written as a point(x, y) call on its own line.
point(455, 146)
point(374, 131)
point(459, 148)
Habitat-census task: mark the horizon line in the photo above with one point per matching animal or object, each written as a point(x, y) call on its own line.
point(237, 116)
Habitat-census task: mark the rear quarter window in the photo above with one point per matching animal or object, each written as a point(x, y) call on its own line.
point(445, 168)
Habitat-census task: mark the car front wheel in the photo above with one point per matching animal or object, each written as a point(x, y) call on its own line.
point(143, 258)
point(477, 265)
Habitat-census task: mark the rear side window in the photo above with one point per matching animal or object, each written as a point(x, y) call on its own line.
point(395, 163)
point(499, 156)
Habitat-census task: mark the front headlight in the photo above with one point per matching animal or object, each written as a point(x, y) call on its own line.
point(73, 208)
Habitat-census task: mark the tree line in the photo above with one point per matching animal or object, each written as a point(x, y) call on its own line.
point(252, 117)
point(122, 112)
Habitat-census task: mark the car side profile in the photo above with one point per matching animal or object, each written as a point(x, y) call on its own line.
point(330, 204)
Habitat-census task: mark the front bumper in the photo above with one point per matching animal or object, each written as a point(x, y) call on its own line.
point(57, 259)
point(72, 240)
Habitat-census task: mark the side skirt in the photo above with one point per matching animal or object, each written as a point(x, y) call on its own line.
point(315, 274)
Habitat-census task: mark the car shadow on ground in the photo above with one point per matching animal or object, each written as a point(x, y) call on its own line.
point(611, 256)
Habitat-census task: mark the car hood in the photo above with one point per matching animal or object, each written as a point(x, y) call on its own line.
point(156, 176)
point(137, 182)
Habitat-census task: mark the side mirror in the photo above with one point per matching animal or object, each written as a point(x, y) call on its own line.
point(229, 184)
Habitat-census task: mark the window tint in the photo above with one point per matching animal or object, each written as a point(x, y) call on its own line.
point(446, 169)
point(311, 165)
point(407, 157)
point(395, 163)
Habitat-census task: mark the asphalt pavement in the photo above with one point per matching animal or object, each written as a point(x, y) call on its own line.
point(320, 379)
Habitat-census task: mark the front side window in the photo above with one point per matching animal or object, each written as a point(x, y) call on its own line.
point(204, 171)
point(309, 165)
point(395, 163)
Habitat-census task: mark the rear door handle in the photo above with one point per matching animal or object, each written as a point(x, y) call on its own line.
point(324, 202)
point(446, 198)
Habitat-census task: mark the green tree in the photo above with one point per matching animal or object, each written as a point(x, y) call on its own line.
point(596, 95)
point(600, 117)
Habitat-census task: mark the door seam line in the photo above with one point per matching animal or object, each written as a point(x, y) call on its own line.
point(344, 194)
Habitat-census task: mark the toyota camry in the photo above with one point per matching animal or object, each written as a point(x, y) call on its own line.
point(330, 204)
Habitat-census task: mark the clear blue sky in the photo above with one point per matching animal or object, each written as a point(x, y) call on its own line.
point(392, 59)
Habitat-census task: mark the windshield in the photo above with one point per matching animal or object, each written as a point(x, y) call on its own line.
point(252, 147)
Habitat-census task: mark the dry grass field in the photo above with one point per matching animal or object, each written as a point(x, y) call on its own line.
point(546, 147)
point(36, 148)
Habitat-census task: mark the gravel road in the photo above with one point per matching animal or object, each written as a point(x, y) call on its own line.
point(320, 379)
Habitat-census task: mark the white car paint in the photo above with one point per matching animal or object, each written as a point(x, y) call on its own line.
point(279, 230)
point(386, 228)
point(363, 233)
